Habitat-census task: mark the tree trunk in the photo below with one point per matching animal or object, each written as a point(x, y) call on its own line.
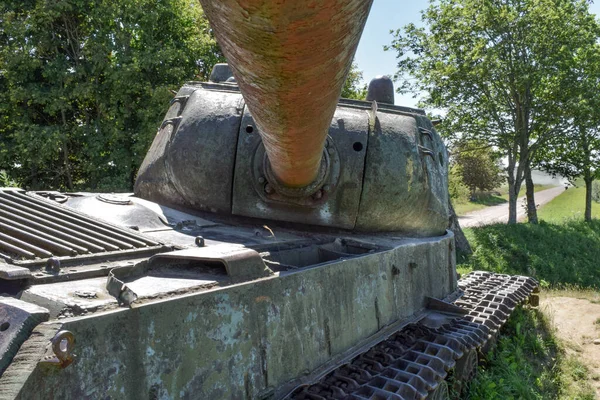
point(588, 197)
point(512, 208)
point(462, 244)
point(531, 206)
point(512, 189)
point(512, 200)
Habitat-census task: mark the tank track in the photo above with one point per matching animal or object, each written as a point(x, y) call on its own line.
point(414, 362)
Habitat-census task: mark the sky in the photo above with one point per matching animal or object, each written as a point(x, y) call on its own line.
point(387, 15)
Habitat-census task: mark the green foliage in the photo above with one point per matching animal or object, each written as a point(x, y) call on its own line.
point(569, 206)
point(84, 85)
point(353, 86)
point(520, 367)
point(5, 180)
point(530, 363)
point(459, 192)
point(501, 69)
point(478, 165)
point(561, 254)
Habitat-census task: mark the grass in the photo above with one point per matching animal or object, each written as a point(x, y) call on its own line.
point(558, 255)
point(562, 252)
point(482, 200)
point(530, 363)
point(569, 205)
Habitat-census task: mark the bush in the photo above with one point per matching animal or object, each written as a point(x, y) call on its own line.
point(459, 192)
point(560, 254)
point(84, 85)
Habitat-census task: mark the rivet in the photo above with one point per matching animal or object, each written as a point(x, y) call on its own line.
point(53, 264)
point(269, 189)
point(261, 179)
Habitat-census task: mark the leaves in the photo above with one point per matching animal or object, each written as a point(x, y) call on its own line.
point(501, 71)
point(84, 85)
point(353, 86)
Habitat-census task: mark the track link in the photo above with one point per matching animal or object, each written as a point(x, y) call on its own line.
point(414, 362)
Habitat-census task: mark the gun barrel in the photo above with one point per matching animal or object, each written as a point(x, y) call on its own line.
point(290, 59)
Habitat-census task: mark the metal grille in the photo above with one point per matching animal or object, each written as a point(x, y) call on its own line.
point(32, 228)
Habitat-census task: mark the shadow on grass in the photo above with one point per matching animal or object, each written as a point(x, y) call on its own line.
point(560, 255)
point(488, 200)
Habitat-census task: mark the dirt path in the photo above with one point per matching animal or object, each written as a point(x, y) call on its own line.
point(499, 213)
point(575, 321)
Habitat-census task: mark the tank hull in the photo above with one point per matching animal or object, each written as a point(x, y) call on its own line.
point(248, 340)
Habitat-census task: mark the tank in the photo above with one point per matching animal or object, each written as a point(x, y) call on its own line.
point(280, 243)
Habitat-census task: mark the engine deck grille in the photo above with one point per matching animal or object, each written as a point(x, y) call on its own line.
point(33, 228)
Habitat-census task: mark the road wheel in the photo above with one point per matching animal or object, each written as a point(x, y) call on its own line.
point(440, 392)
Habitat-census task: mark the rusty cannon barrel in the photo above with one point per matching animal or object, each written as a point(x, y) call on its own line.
point(290, 59)
point(268, 137)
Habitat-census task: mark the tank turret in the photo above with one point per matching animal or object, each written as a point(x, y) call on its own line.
point(279, 144)
point(282, 243)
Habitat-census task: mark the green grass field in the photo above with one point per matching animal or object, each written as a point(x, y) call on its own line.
point(569, 205)
point(487, 199)
point(562, 252)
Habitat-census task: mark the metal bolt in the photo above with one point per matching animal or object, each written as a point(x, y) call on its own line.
point(199, 241)
point(318, 194)
point(261, 179)
point(330, 150)
point(269, 189)
point(326, 188)
point(53, 264)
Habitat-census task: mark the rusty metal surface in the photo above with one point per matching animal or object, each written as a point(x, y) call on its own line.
point(61, 355)
point(290, 60)
point(413, 363)
point(340, 193)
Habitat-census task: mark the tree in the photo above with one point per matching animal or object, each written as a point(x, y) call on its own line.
point(577, 153)
point(499, 68)
point(84, 85)
point(478, 165)
point(353, 86)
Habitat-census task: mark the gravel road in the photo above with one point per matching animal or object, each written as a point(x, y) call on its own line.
point(499, 213)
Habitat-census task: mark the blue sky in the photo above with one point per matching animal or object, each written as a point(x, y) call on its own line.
point(386, 15)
